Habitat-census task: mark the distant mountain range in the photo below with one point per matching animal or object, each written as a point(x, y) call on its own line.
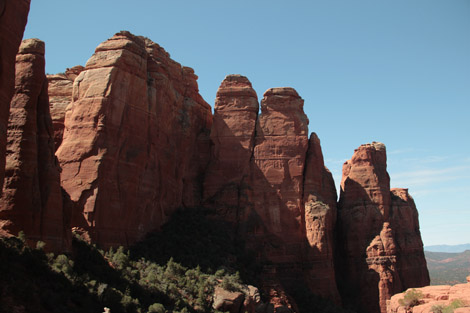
point(448, 268)
point(448, 248)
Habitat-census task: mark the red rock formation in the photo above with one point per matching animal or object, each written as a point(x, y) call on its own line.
point(247, 172)
point(60, 96)
point(442, 295)
point(404, 220)
point(13, 17)
point(32, 199)
point(374, 262)
point(277, 175)
point(320, 218)
point(134, 140)
point(232, 136)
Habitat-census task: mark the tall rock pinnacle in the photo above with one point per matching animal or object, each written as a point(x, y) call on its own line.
point(373, 261)
point(232, 136)
point(32, 198)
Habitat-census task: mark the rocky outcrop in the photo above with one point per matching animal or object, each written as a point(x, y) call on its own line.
point(60, 96)
point(245, 299)
point(32, 198)
point(433, 296)
point(13, 17)
point(232, 137)
point(135, 140)
point(380, 253)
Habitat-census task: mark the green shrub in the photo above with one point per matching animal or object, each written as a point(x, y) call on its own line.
point(449, 308)
point(156, 308)
point(412, 298)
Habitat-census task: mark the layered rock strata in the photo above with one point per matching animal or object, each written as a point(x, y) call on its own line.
point(135, 140)
point(380, 253)
point(434, 296)
point(60, 96)
point(32, 198)
point(13, 17)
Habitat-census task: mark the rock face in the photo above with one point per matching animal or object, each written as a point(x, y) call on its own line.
point(277, 176)
point(60, 96)
point(319, 198)
point(32, 198)
point(380, 246)
point(232, 137)
point(270, 181)
point(13, 17)
point(442, 295)
point(135, 140)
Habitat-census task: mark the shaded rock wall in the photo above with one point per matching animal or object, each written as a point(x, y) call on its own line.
point(256, 176)
point(135, 132)
point(13, 17)
point(379, 243)
point(32, 198)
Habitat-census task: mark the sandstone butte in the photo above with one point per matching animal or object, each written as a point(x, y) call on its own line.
point(140, 142)
point(379, 244)
point(32, 198)
point(134, 140)
point(13, 17)
point(441, 295)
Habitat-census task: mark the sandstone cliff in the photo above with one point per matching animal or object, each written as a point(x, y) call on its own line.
point(13, 17)
point(60, 96)
point(134, 133)
point(137, 142)
point(269, 180)
point(380, 246)
point(32, 198)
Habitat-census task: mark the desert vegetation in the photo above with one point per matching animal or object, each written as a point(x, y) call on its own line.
point(175, 270)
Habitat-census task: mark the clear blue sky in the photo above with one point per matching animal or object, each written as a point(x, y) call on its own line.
point(391, 71)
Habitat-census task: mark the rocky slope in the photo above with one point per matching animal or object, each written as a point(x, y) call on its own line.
point(139, 142)
point(13, 17)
